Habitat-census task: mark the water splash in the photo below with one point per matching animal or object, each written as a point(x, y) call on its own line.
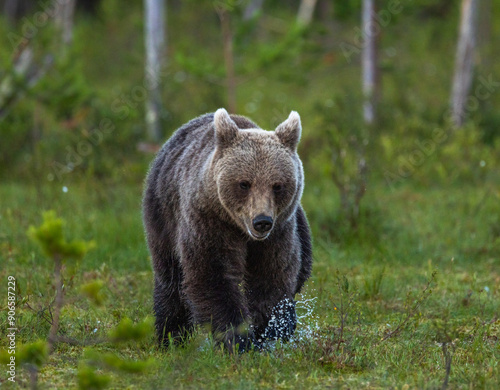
point(292, 321)
point(307, 320)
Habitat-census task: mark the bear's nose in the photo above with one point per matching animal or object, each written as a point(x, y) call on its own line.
point(262, 223)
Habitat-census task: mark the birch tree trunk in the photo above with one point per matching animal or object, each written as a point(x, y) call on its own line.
point(64, 12)
point(155, 42)
point(306, 11)
point(464, 62)
point(369, 68)
point(227, 36)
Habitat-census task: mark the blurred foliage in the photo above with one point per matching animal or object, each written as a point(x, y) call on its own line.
point(112, 361)
point(347, 9)
point(94, 291)
point(126, 330)
point(64, 91)
point(34, 354)
point(93, 359)
point(84, 118)
point(88, 379)
point(339, 152)
point(49, 235)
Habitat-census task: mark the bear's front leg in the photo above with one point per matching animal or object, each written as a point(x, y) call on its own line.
point(213, 267)
point(273, 267)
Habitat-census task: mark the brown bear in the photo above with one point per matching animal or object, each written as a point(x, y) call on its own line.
point(229, 240)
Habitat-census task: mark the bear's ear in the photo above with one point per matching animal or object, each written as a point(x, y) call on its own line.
point(225, 128)
point(289, 131)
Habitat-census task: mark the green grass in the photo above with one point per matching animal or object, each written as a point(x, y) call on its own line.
point(408, 234)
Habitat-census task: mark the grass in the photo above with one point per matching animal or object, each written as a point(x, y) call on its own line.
point(411, 233)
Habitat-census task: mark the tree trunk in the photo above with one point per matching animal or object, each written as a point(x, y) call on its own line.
point(64, 11)
point(155, 42)
point(325, 10)
point(14, 10)
point(369, 61)
point(306, 11)
point(58, 304)
point(464, 62)
point(227, 36)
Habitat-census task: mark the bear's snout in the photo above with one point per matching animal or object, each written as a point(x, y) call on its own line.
point(262, 223)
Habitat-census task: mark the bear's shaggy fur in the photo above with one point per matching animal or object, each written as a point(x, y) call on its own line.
point(229, 241)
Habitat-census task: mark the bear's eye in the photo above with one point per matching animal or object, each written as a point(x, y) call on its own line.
point(277, 188)
point(244, 185)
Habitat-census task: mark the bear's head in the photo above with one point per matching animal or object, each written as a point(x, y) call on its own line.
point(258, 173)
